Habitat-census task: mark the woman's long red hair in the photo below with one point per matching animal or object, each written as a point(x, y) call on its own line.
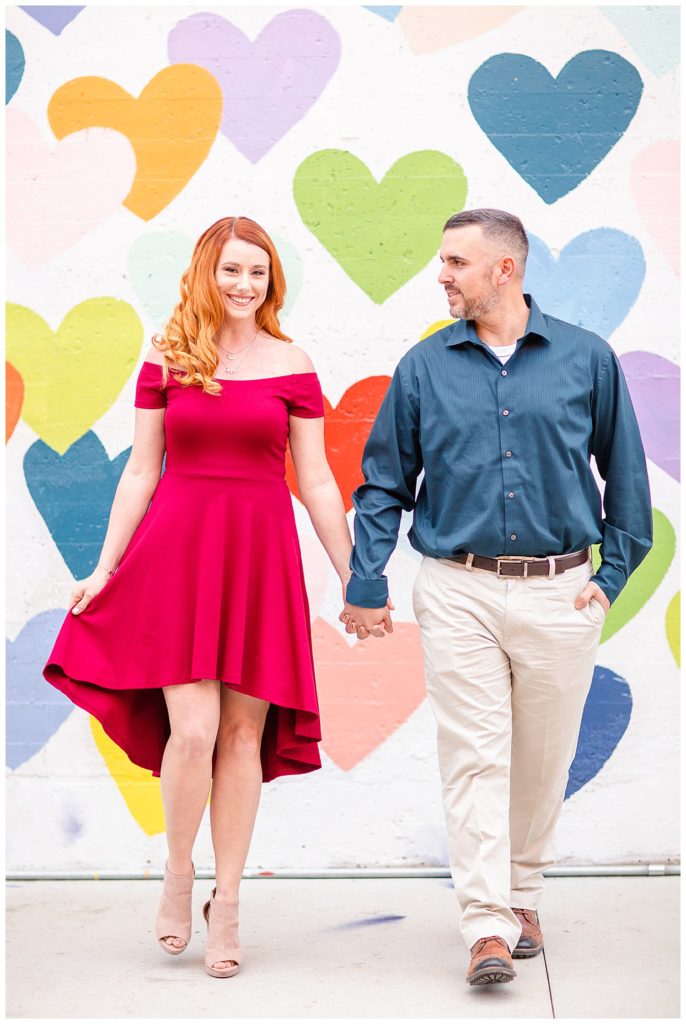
point(189, 339)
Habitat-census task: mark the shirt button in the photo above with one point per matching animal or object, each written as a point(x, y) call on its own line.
point(508, 455)
point(503, 373)
point(506, 412)
point(511, 494)
point(513, 536)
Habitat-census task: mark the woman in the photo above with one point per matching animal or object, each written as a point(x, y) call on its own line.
point(190, 642)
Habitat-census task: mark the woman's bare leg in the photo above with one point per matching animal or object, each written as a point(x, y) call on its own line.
point(236, 787)
point(186, 773)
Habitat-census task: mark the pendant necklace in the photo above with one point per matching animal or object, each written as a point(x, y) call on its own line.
point(234, 355)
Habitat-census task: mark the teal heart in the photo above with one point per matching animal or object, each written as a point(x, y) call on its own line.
point(645, 580)
point(652, 31)
point(555, 131)
point(157, 260)
point(380, 233)
point(15, 62)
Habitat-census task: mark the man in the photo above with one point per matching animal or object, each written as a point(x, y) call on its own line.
point(502, 411)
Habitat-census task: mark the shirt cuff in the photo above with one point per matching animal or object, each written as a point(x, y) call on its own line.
point(610, 580)
point(367, 593)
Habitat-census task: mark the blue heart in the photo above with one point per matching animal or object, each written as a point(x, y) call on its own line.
point(15, 62)
point(605, 719)
point(555, 131)
point(594, 282)
point(388, 11)
point(74, 493)
point(35, 710)
point(53, 18)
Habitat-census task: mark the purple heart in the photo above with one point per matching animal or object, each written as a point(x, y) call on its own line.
point(35, 710)
point(268, 85)
point(53, 18)
point(654, 386)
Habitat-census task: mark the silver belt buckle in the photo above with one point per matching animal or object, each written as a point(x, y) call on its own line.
point(515, 558)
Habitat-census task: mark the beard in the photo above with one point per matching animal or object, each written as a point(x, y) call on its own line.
point(474, 308)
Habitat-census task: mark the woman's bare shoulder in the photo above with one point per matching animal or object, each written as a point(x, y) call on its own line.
point(298, 360)
point(153, 355)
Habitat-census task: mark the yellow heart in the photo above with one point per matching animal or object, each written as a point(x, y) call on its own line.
point(673, 626)
point(171, 126)
point(74, 374)
point(438, 326)
point(140, 789)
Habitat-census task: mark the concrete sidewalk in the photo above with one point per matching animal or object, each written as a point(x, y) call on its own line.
point(355, 948)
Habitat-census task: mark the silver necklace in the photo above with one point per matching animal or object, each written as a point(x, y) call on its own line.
point(234, 355)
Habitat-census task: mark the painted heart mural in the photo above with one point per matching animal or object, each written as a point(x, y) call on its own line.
point(91, 355)
point(653, 32)
point(673, 627)
point(555, 131)
point(428, 29)
point(73, 493)
point(14, 399)
point(57, 194)
point(15, 62)
point(171, 126)
point(35, 711)
point(594, 282)
point(346, 429)
point(380, 233)
point(268, 85)
point(654, 384)
point(655, 185)
point(366, 691)
point(53, 17)
point(138, 788)
point(387, 11)
point(605, 720)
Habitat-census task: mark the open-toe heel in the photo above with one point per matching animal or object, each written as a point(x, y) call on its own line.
point(174, 915)
point(222, 937)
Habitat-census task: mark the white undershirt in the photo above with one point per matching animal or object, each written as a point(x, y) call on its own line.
point(503, 352)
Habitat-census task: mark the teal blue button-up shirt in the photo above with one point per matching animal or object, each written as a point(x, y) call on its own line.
point(506, 454)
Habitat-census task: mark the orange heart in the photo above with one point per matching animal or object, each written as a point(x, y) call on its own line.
point(346, 429)
point(367, 691)
point(14, 399)
point(171, 126)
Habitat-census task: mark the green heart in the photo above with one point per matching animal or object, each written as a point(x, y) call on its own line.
point(384, 233)
point(673, 626)
point(74, 374)
point(645, 580)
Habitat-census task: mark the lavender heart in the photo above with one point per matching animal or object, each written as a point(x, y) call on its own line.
point(268, 85)
point(654, 385)
point(53, 18)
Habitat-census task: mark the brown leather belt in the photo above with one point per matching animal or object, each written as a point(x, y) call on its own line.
point(514, 566)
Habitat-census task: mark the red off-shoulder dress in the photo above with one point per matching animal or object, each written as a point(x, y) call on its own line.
point(211, 585)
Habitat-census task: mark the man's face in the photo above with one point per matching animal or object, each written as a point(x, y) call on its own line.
point(468, 273)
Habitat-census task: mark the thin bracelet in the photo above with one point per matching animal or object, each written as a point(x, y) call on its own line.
point(110, 572)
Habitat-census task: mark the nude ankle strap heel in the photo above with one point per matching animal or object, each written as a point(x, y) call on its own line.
point(174, 915)
point(222, 936)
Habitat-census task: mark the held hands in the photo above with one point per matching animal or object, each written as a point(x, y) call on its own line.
point(367, 621)
point(86, 589)
point(589, 591)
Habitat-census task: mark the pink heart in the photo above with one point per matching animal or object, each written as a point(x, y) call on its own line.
point(655, 186)
point(268, 85)
point(366, 691)
point(57, 194)
point(433, 28)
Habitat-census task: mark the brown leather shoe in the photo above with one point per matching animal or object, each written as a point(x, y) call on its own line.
point(491, 961)
point(531, 940)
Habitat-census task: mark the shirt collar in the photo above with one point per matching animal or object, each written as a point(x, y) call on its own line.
point(465, 331)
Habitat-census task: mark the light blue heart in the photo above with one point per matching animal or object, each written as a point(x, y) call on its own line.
point(15, 62)
point(388, 11)
point(605, 720)
point(652, 31)
point(35, 710)
point(74, 493)
point(594, 282)
point(555, 131)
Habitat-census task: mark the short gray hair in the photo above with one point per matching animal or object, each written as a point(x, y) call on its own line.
point(498, 225)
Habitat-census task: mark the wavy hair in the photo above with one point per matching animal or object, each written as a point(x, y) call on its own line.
point(189, 338)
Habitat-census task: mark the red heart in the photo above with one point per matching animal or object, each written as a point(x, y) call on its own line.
point(346, 429)
point(366, 691)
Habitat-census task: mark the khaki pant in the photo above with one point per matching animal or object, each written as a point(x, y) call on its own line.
point(509, 664)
